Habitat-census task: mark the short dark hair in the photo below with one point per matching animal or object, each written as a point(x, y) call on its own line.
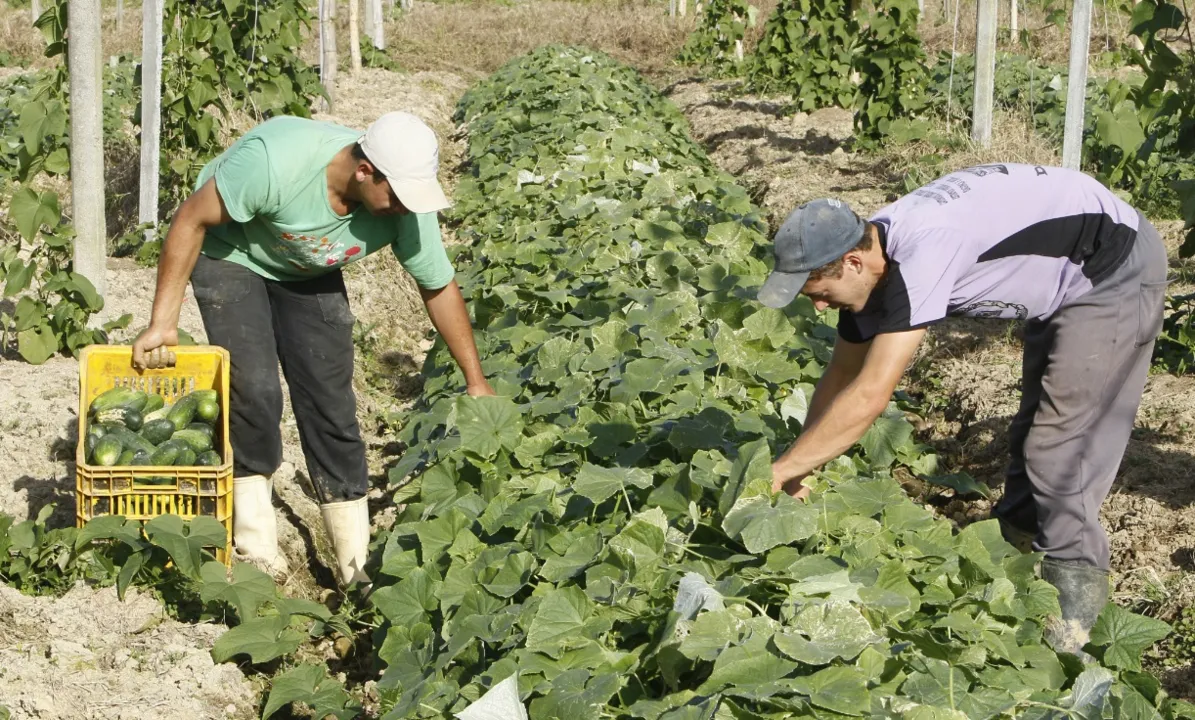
point(359, 155)
point(833, 269)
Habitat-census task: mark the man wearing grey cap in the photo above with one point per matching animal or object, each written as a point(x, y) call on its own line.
point(1049, 246)
point(262, 240)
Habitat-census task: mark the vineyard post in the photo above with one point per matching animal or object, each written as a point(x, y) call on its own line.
point(682, 7)
point(1012, 20)
point(985, 72)
point(1076, 85)
point(119, 15)
point(379, 27)
point(366, 19)
point(35, 9)
point(354, 36)
point(87, 140)
point(408, 5)
point(671, 8)
point(328, 55)
point(151, 110)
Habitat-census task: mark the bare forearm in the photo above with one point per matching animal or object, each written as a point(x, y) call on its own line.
point(830, 385)
point(846, 416)
point(446, 309)
point(179, 253)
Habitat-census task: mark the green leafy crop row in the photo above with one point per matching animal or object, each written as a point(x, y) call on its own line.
point(601, 541)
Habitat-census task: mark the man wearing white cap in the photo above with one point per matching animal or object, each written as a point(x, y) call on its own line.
point(263, 239)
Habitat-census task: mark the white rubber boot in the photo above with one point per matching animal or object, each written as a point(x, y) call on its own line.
point(254, 529)
point(348, 527)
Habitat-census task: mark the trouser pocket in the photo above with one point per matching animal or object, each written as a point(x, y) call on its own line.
point(1150, 305)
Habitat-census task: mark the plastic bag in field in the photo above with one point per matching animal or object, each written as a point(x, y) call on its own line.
point(501, 702)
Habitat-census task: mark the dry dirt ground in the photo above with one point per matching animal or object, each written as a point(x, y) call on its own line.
point(89, 655)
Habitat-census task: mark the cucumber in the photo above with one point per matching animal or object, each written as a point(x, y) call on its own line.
point(154, 402)
point(94, 433)
point(126, 416)
point(183, 411)
point(203, 428)
point(157, 431)
point(159, 414)
point(186, 458)
point(128, 438)
point(168, 452)
point(152, 480)
point(119, 397)
point(196, 440)
point(126, 457)
point(206, 396)
point(211, 458)
point(208, 411)
point(107, 450)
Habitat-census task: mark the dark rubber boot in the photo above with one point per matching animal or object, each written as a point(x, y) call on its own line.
point(1082, 595)
point(1020, 539)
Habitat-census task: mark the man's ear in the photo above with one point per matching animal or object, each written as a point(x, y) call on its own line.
point(364, 170)
point(853, 260)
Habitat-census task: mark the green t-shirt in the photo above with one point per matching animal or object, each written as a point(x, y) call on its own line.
point(273, 182)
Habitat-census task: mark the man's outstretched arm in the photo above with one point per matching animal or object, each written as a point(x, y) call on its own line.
point(202, 210)
point(849, 411)
point(446, 309)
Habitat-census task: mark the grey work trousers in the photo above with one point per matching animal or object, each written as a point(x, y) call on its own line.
point(1084, 372)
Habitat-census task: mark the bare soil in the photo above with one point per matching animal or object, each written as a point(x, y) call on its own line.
point(89, 655)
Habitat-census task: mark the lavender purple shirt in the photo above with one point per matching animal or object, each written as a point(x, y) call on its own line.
point(994, 241)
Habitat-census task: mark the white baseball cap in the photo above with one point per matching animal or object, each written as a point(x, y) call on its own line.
point(405, 150)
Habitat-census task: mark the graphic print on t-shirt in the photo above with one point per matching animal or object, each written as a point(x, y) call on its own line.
point(1005, 240)
point(303, 251)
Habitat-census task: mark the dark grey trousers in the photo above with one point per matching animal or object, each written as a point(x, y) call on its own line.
point(308, 327)
point(1084, 372)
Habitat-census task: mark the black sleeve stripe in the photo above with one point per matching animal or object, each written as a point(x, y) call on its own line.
point(1093, 240)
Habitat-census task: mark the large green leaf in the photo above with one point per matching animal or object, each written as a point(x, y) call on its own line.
point(37, 344)
point(185, 541)
point(488, 424)
point(600, 483)
point(262, 639)
point(560, 619)
point(750, 664)
point(410, 600)
point(1124, 635)
point(1121, 129)
point(841, 689)
point(829, 631)
point(248, 590)
point(762, 526)
point(30, 210)
point(310, 684)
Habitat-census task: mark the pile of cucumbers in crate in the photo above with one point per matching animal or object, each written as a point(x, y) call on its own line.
point(128, 427)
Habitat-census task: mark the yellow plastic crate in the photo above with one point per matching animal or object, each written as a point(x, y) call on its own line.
point(195, 490)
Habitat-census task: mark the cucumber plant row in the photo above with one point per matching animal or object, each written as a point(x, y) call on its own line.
point(601, 540)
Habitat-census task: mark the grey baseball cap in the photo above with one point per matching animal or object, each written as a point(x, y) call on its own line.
point(815, 234)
